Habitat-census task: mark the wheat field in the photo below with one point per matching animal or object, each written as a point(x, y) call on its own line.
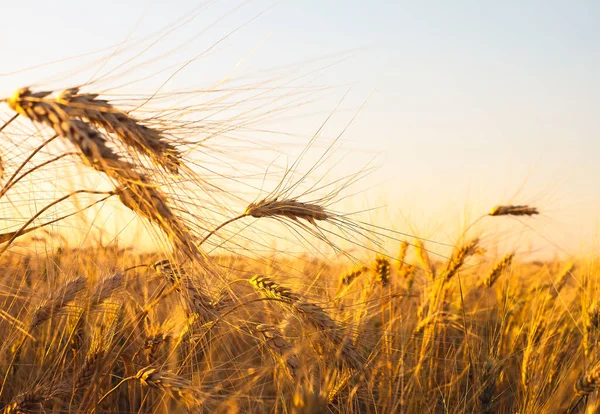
point(217, 317)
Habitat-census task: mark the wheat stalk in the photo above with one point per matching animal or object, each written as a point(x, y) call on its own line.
point(348, 277)
point(588, 382)
point(168, 270)
point(488, 386)
point(198, 302)
point(29, 402)
point(274, 290)
point(89, 369)
point(148, 201)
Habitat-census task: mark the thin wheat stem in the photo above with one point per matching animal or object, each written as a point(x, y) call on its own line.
point(35, 151)
point(113, 389)
point(11, 184)
point(7, 123)
point(7, 236)
point(220, 226)
point(43, 210)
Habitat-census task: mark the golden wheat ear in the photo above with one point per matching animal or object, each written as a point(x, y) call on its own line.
point(129, 130)
point(171, 384)
point(511, 210)
point(291, 209)
point(57, 301)
point(279, 347)
point(90, 142)
point(498, 269)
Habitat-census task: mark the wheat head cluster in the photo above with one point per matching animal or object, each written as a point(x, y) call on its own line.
point(104, 328)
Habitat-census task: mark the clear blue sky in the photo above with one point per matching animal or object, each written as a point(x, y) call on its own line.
point(467, 100)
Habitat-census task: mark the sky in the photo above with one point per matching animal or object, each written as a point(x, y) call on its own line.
point(468, 104)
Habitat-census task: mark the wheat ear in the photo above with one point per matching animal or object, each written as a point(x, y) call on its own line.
point(510, 210)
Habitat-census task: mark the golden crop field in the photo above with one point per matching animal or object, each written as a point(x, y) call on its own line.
point(156, 258)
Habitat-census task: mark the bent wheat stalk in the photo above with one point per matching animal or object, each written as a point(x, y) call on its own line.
point(171, 384)
point(459, 257)
point(290, 209)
